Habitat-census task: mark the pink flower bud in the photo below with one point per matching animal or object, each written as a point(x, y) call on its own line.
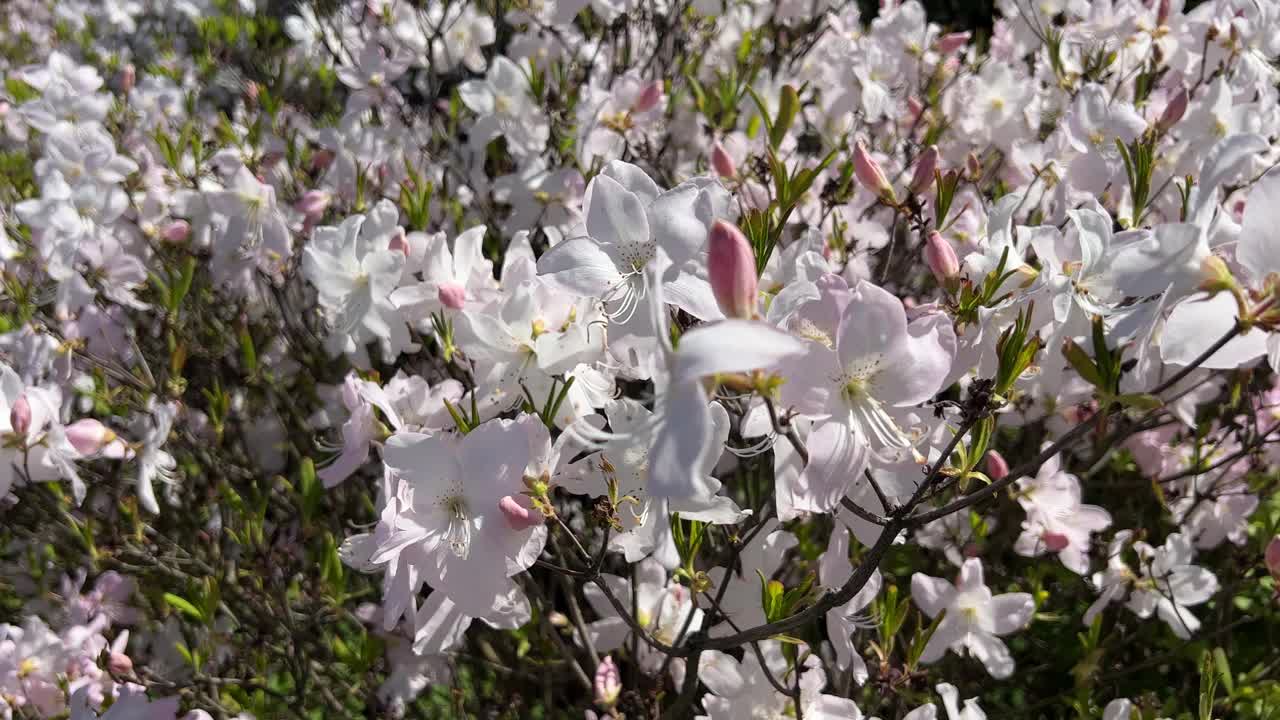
point(722, 163)
point(870, 174)
point(1273, 557)
point(119, 664)
point(88, 436)
point(732, 268)
point(518, 516)
point(251, 92)
point(941, 258)
point(176, 231)
point(128, 78)
point(997, 466)
point(1162, 12)
point(608, 682)
point(1174, 111)
point(313, 203)
point(20, 415)
point(1055, 542)
point(400, 242)
point(952, 42)
point(649, 97)
point(926, 166)
point(452, 295)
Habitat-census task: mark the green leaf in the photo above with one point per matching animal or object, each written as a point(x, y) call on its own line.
point(1139, 401)
point(788, 106)
point(183, 606)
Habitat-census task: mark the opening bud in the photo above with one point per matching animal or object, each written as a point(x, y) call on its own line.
point(732, 268)
point(89, 436)
point(608, 682)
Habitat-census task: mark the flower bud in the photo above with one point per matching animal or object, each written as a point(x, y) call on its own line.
point(608, 682)
point(20, 416)
point(870, 174)
point(128, 78)
point(732, 268)
point(952, 42)
point(997, 466)
point(452, 295)
point(648, 98)
point(176, 231)
point(1162, 12)
point(941, 258)
point(518, 516)
point(558, 619)
point(926, 166)
point(722, 163)
point(119, 664)
point(313, 204)
point(89, 436)
point(1273, 557)
point(1174, 111)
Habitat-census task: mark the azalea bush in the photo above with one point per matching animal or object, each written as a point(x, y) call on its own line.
point(589, 358)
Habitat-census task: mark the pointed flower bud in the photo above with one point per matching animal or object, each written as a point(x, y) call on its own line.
point(649, 97)
point(20, 416)
point(870, 174)
point(518, 516)
point(732, 268)
point(941, 258)
point(452, 295)
point(89, 436)
point(608, 682)
point(722, 163)
point(926, 166)
point(1174, 111)
point(997, 466)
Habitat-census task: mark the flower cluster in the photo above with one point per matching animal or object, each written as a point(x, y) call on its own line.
point(722, 359)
